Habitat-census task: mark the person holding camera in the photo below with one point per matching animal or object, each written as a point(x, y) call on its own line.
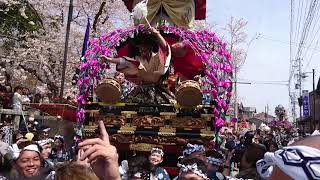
point(247, 154)
point(251, 155)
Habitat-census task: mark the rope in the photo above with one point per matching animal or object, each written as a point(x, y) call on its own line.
point(24, 120)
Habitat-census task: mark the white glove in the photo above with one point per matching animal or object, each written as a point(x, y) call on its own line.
point(3, 148)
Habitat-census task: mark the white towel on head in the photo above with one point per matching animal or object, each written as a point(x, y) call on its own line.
point(45, 141)
point(298, 162)
point(15, 151)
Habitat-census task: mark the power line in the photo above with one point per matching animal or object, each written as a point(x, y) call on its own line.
point(286, 42)
point(290, 56)
point(277, 81)
point(311, 13)
point(312, 35)
point(280, 84)
point(304, 35)
point(309, 9)
point(313, 52)
point(284, 82)
point(306, 27)
point(298, 20)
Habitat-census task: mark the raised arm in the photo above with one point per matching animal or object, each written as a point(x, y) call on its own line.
point(162, 41)
point(111, 60)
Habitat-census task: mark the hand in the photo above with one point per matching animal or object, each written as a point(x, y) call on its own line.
point(3, 148)
point(154, 31)
point(21, 140)
point(101, 155)
point(105, 58)
point(229, 155)
point(82, 162)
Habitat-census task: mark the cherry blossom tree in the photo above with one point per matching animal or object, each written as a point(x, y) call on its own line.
point(34, 58)
point(236, 37)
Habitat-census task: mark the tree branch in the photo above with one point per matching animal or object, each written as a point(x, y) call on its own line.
point(34, 72)
point(97, 16)
point(9, 37)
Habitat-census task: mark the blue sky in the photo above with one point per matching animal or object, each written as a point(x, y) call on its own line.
point(268, 56)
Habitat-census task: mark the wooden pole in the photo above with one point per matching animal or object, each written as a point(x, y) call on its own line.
point(65, 57)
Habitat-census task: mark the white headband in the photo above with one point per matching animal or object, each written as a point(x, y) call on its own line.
point(298, 162)
point(191, 148)
point(46, 130)
point(58, 137)
point(191, 168)
point(141, 175)
point(157, 151)
point(215, 161)
point(15, 151)
point(45, 141)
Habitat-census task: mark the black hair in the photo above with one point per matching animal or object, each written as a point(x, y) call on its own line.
point(17, 88)
point(147, 40)
point(274, 144)
point(14, 136)
point(215, 154)
point(61, 139)
point(192, 160)
point(27, 143)
point(143, 39)
point(253, 153)
point(196, 141)
point(139, 164)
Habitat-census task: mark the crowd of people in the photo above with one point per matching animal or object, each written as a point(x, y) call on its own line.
point(15, 97)
point(250, 156)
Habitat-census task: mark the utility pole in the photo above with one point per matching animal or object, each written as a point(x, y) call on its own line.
point(235, 96)
point(267, 113)
point(313, 102)
point(65, 57)
point(235, 87)
point(300, 90)
point(293, 100)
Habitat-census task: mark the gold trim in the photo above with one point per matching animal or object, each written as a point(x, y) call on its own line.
point(143, 147)
point(89, 130)
point(127, 127)
point(206, 131)
point(107, 104)
point(125, 132)
point(167, 115)
point(168, 130)
point(91, 127)
point(128, 114)
point(166, 134)
point(206, 135)
point(207, 115)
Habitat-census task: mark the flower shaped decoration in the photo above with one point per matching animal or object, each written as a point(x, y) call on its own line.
point(207, 45)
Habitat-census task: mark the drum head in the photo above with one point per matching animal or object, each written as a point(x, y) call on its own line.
point(189, 96)
point(108, 92)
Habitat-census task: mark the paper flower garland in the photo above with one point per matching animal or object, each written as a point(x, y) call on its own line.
point(207, 45)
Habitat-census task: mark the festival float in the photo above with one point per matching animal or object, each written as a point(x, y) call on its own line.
point(282, 129)
point(186, 97)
